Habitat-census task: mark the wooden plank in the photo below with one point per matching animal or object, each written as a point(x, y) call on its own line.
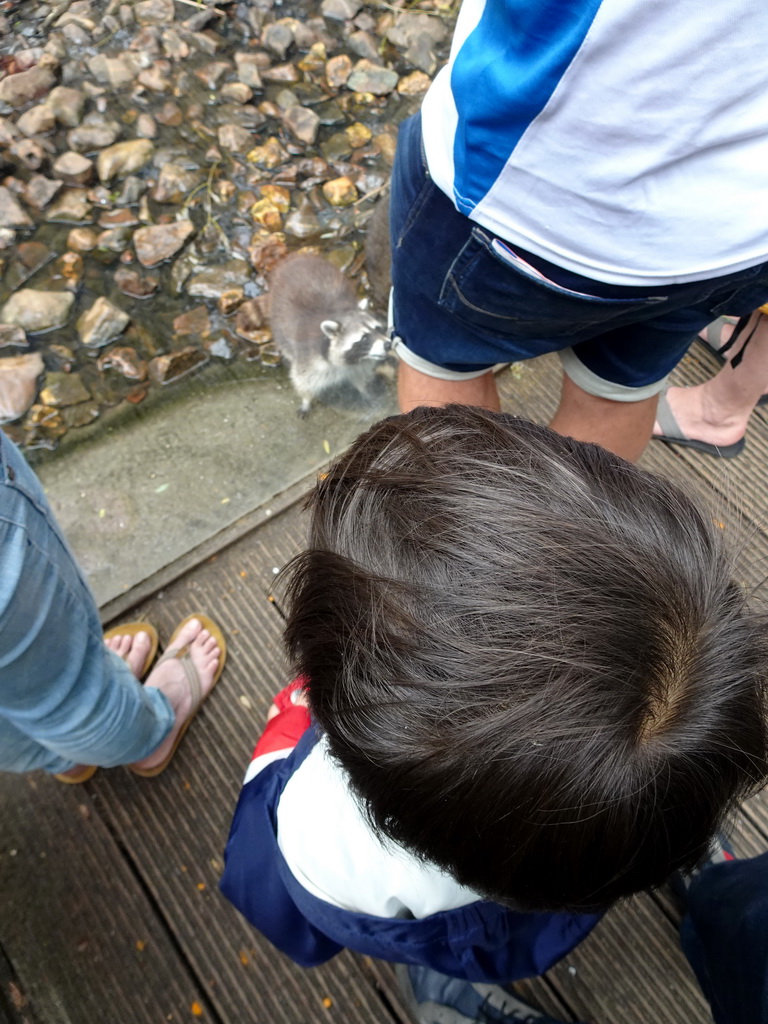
point(83, 939)
point(174, 828)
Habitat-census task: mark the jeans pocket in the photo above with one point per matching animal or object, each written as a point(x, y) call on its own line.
point(491, 288)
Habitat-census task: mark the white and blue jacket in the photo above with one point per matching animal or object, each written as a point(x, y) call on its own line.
point(625, 140)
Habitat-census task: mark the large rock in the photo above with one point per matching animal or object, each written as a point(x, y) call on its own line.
point(67, 105)
point(12, 214)
point(18, 384)
point(37, 120)
point(161, 241)
point(21, 89)
point(37, 311)
point(102, 323)
point(212, 282)
point(174, 183)
point(123, 158)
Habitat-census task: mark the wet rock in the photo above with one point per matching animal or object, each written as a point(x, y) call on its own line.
point(146, 127)
point(174, 46)
point(171, 367)
point(60, 357)
point(67, 105)
point(303, 123)
point(27, 260)
point(169, 114)
point(70, 268)
point(211, 73)
point(195, 322)
point(11, 334)
point(414, 84)
point(125, 360)
point(340, 192)
point(358, 134)
point(7, 239)
point(138, 286)
point(337, 71)
point(211, 282)
point(364, 45)
point(235, 139)
point(372, 78)
point(102, 323)
point(222, 346)
point(154, 12)
point(159, 242)
point(8, 132)
point(174, 183)
point(37, 120)
point(94, 133)
point(303, 222)
point(18, 384)
point(266, 250)
point(12, 214)
point(40, 191)
point(229, 301)
point(279, 36)
point(118, 219)
point(156, 78)
point(116, 72)
point(271, 155)
point(21, 89)
point(236, 92)
point(63, 389)
point(131, 191)
point(73, 168)
point(249, 321)
point(30, 153)
point(123, 158)
point(287, 73)
point(386, 144)
point(80, 415)
point(340, 10)
point(113, 240)
point(45, 426)
point(81, 239)
point(267, 214)
point(248, 70)
point(37, 310)
point(71, 207)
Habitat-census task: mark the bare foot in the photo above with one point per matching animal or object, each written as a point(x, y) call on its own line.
point(170, 678)
point(133, 649)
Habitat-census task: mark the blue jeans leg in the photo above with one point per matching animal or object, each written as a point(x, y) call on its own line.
point(725, 937)
point(65, 699)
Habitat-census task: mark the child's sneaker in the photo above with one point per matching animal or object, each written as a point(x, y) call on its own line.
point(434, 998)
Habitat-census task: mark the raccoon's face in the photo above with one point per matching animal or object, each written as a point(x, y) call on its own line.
point(354, 337)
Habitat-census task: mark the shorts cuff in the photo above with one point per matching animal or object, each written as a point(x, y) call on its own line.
point(594, 385)
point(401, 350)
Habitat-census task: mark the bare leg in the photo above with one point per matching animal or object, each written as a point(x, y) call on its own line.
point(719, 410)
point(415, 388)
point(621, 427)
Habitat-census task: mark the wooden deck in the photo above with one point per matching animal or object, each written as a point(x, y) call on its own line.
point(109, 909)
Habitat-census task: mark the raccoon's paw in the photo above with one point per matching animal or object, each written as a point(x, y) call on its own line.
point(303, 411)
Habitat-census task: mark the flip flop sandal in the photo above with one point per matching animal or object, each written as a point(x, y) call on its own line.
point(182, 655)
point(712, 338)
point(126, 629)
point(672, 434)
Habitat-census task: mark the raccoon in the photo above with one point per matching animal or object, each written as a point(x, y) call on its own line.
point(319, 327)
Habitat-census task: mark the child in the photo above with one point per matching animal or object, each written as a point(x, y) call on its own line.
point(534, 689)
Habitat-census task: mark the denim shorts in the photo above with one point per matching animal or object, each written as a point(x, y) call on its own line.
point(463, 300)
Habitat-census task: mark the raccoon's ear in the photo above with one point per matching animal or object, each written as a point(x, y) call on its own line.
point(330, 329)
point(363, 303)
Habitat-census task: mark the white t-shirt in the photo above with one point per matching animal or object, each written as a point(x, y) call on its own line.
point(626, 140)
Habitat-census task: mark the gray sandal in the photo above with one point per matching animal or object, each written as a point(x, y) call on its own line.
point(672, 434)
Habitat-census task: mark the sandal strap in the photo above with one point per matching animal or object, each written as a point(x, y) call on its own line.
point(182, 655)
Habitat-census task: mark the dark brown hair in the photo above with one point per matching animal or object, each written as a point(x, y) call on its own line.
point(529, 656)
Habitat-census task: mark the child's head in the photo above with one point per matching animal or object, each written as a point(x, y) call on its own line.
point(529, 656)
